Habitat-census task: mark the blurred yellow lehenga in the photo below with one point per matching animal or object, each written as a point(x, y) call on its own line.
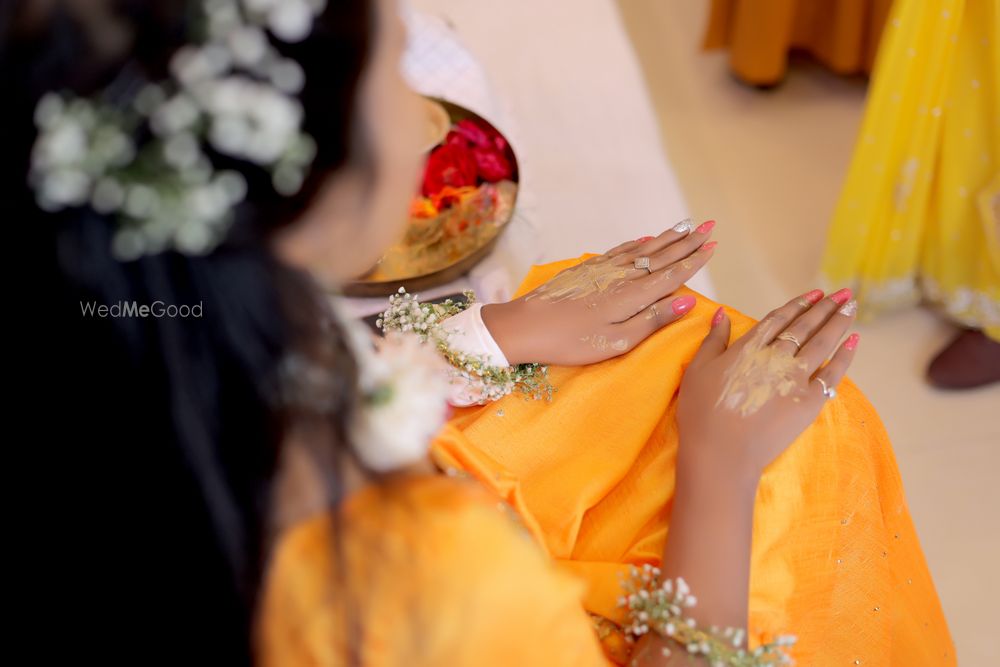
point(919, 215)
point(432, 571)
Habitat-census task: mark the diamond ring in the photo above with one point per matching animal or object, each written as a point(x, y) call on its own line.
point(829, 392)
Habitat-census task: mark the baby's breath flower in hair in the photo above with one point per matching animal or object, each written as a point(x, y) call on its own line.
point(229, 90)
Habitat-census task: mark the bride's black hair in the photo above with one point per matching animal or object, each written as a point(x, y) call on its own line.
point(172, 425)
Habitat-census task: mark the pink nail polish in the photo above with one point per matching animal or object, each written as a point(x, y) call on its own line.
point(813, 296)
point(709, 245)
point(720, 315)
point(643, 239)
point(841, 296)
point(682, 304)
point(851, 342)
point(705, 227)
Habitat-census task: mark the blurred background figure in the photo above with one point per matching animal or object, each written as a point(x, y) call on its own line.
point(918, 216)
point(761, 34)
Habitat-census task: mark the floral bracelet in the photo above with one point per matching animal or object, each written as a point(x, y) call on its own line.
point(657, 606)
point(426, 320)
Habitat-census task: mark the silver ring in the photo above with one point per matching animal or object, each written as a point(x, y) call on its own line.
point(642, 263)
point(790, 337)
point(829, 392)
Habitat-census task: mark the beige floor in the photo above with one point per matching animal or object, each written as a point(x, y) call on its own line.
point(768, 166)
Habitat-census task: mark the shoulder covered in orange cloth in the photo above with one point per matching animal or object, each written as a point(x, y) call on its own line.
point(431, 571)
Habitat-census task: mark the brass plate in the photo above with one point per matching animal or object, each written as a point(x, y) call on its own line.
point(450, 269)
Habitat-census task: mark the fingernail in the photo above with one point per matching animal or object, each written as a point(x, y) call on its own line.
point(852, 342)
point(705, 227)
point(643, 239)
point(682, 304)
point(849, 309)
point(814, 296)
point(720, 315)
point(682, 227)
point(709, 245)
point(841, 296)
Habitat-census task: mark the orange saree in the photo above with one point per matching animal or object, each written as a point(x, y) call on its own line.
point(435, 576)
point(835, 559)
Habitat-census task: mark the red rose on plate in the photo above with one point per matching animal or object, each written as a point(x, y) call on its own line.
point(456, 139)
point(481, 136)
point(497, 139)
point(492, 165)
point(471, 132)
point(449, 165)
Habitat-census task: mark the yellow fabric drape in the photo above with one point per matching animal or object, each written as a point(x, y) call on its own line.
point(841, 34)
point(835, 557)
point(919, 216)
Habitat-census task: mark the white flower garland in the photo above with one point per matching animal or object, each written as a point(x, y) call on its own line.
point(658, 606)
point(406, 314)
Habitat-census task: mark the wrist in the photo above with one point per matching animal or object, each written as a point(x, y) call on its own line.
point(699, 475)
point(501, 322)
point(710, 537)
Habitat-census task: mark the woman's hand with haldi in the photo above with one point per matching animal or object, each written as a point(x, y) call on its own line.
point(606, 305)
point(742, 404)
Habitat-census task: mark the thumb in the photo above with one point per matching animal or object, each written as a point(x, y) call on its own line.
point(717, 340)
